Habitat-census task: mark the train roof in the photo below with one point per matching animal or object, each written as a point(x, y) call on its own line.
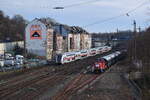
point(110, 56)
point(99, 47)
point(67, 53)
point(93, 49)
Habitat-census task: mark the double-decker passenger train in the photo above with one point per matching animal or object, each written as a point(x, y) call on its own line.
point(77, 55)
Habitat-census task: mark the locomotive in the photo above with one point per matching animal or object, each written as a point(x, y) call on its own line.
point(105, 62)
point(77, 55)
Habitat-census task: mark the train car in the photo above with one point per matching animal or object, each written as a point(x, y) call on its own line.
point(110, 59)
point(83, 54)
point(109, 48)
point(65, 58)
point(77, 55)
point(105, 62)
point(106, 49)
point(99, 50)
point(92, 51)
point(72, 56)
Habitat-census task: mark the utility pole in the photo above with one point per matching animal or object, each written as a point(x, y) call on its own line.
point(134, 23)
point(139, 29)
point(134, 26)
point(117, 30)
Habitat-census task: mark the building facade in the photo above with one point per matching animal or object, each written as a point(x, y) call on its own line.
point(46, 40)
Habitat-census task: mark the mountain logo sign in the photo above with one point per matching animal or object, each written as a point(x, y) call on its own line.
point(35, 32)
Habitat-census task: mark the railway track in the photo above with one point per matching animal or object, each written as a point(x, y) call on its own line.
point(10, 90)
point(40, 87)
point(78, 83)
point(12, 86)
point(44, 78)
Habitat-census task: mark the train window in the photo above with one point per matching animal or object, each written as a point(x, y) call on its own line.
point(71, 55)
point(84, 52)
point(93, 50)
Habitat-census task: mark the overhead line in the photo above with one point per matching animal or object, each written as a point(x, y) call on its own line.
point(78, 4)
point(115, 17)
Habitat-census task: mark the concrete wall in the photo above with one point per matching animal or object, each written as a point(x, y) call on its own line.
point(36, 36)
point(70, 42)
point(89, 41)
point(79, 42)
point(73, 42)
point(85, 41)
point(76, 39)
point(59, 43)
point(49, 47)
point(5, 47)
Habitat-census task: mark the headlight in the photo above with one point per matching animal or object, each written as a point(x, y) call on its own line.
point(97, 65)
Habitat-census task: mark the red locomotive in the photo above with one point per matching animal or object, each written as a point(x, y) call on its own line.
point(106, 61)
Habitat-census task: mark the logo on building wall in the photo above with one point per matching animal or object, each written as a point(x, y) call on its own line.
point(35, 32)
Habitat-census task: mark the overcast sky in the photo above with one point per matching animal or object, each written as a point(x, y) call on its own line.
point(80, 14)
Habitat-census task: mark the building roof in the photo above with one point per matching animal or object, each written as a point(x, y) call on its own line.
point(78, 30)
point(51, 23)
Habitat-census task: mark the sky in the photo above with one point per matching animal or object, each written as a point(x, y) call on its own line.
point(92, 15)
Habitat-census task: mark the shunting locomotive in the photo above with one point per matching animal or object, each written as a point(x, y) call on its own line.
point(105, 62)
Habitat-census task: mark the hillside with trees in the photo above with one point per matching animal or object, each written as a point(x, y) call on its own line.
point(11, 29)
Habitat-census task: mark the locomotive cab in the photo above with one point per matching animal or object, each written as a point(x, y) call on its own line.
point(100, 65)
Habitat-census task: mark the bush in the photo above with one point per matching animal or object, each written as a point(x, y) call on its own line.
point(18, 50)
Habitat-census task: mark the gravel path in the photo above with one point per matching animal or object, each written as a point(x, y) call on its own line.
point(109, 87)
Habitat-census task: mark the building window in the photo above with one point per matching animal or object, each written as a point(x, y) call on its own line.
point(71, 43)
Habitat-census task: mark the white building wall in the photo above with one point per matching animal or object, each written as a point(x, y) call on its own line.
point(36, 44)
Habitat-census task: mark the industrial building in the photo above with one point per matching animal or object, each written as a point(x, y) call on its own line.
point(45, 39)
point(112, 39)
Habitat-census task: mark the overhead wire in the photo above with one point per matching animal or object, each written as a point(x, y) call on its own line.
point(82, 3)
point(77, 4)
point(115, 17)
